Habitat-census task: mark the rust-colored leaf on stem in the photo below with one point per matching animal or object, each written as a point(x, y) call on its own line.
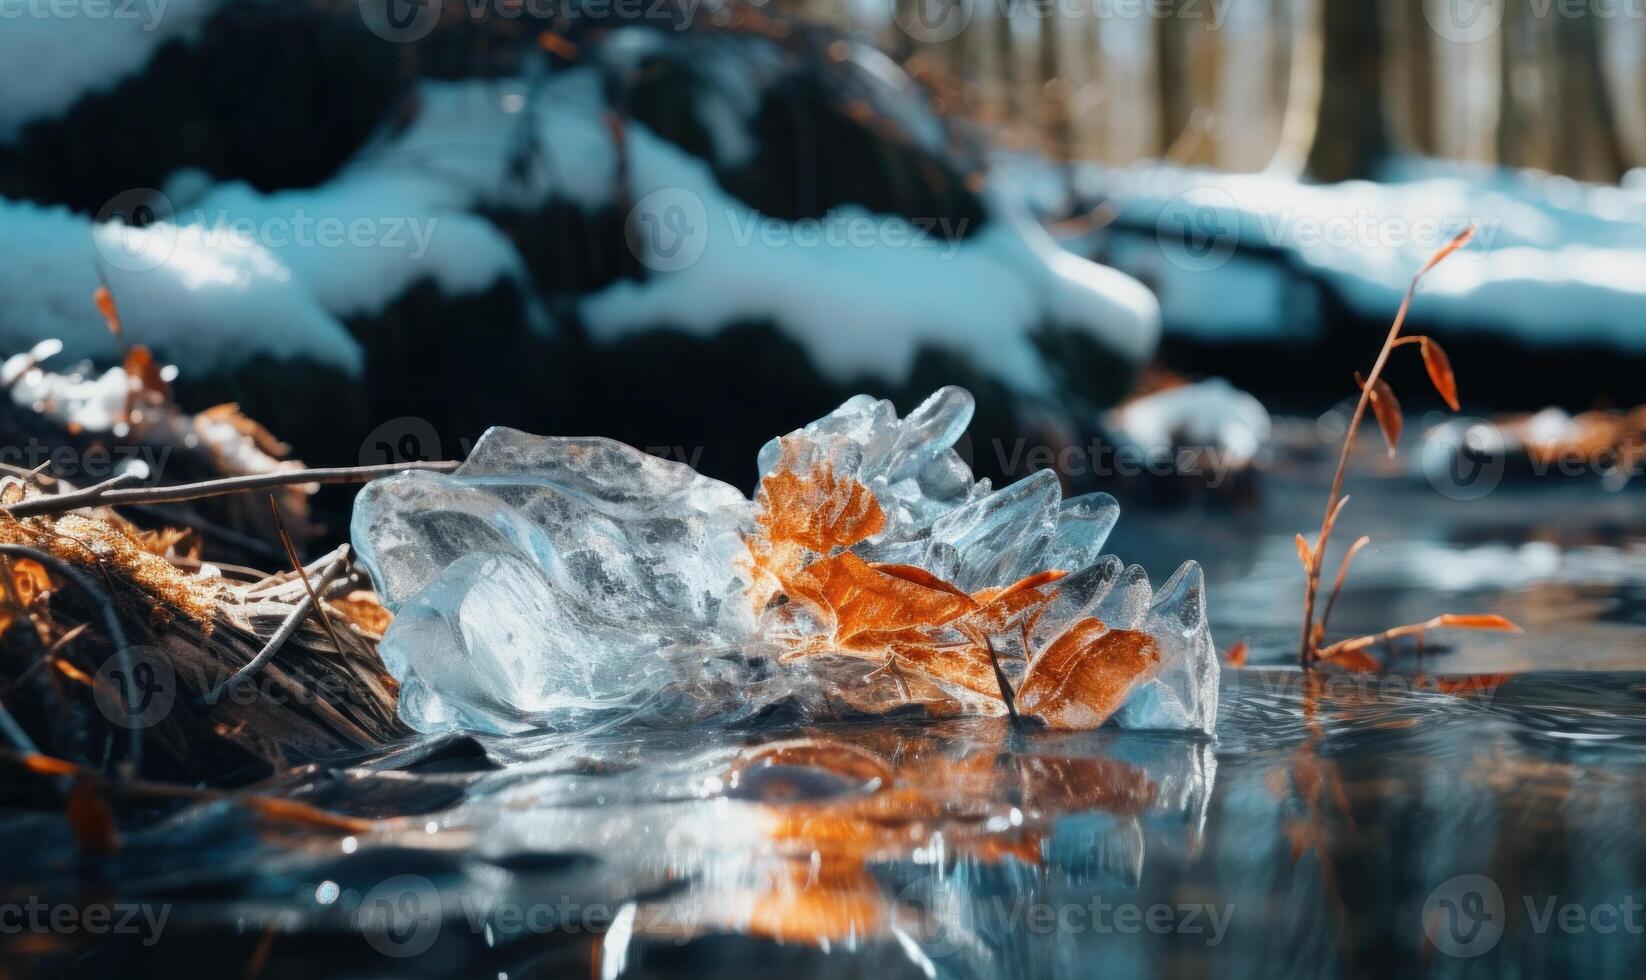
point(1376, 395)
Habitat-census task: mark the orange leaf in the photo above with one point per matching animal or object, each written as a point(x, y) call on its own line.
point(1387, 410)
point(1086, 675)
point(1353, 659)
point(47, 765)
point(29, 579)
point(291, 811)
point(105, 305)
point(1476, 621)
point(1470, 683)
point(141, 365)
point(361, 609)
point(816, 510)
point(867, 600)
point(555, 44)
point(1461, 240)
point(1439, 367)
point(1304, 554)
point(1236, 655)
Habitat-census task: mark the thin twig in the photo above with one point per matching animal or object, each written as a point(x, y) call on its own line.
point(1005, 685)
point(99, 497)
point(1307, 645)
point(284, 633)
point(297, 564)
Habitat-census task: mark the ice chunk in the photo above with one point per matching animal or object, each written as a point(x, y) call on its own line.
point(560, 583)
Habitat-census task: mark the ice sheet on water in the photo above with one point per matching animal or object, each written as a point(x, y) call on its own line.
point(564, 582)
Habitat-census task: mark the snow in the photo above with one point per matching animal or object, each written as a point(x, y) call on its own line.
point(1554, 261)
point(209, 306)
point(230, 273)
point(358, 243)
point(863, 292)
point(1211, 415)
point(53, 54)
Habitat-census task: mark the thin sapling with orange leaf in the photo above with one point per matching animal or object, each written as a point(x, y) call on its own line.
point(1376, 394)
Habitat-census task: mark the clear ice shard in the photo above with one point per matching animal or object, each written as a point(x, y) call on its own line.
point(562, 583)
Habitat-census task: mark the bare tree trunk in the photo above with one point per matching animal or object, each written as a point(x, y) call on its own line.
point(1005, 52)
point(1414, 76)
point(1304, 83)
point(1173, 98)
point(1054, 89)
point(1589, 146)
point(1351, 134)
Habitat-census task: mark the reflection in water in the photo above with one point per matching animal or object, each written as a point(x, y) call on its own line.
point(1323, 831)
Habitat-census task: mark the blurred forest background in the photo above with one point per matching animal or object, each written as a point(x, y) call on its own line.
point(1327, 87)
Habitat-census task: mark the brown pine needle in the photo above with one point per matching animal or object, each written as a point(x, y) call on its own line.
point(297, 565)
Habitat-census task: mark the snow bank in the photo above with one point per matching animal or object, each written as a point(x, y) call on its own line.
point(230, 272)
point(209, 306)
point(860, 292)
point(53, 54)
point(1554, 261)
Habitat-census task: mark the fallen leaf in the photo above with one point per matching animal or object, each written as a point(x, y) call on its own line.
point(1086, 675)
point(362, 610)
